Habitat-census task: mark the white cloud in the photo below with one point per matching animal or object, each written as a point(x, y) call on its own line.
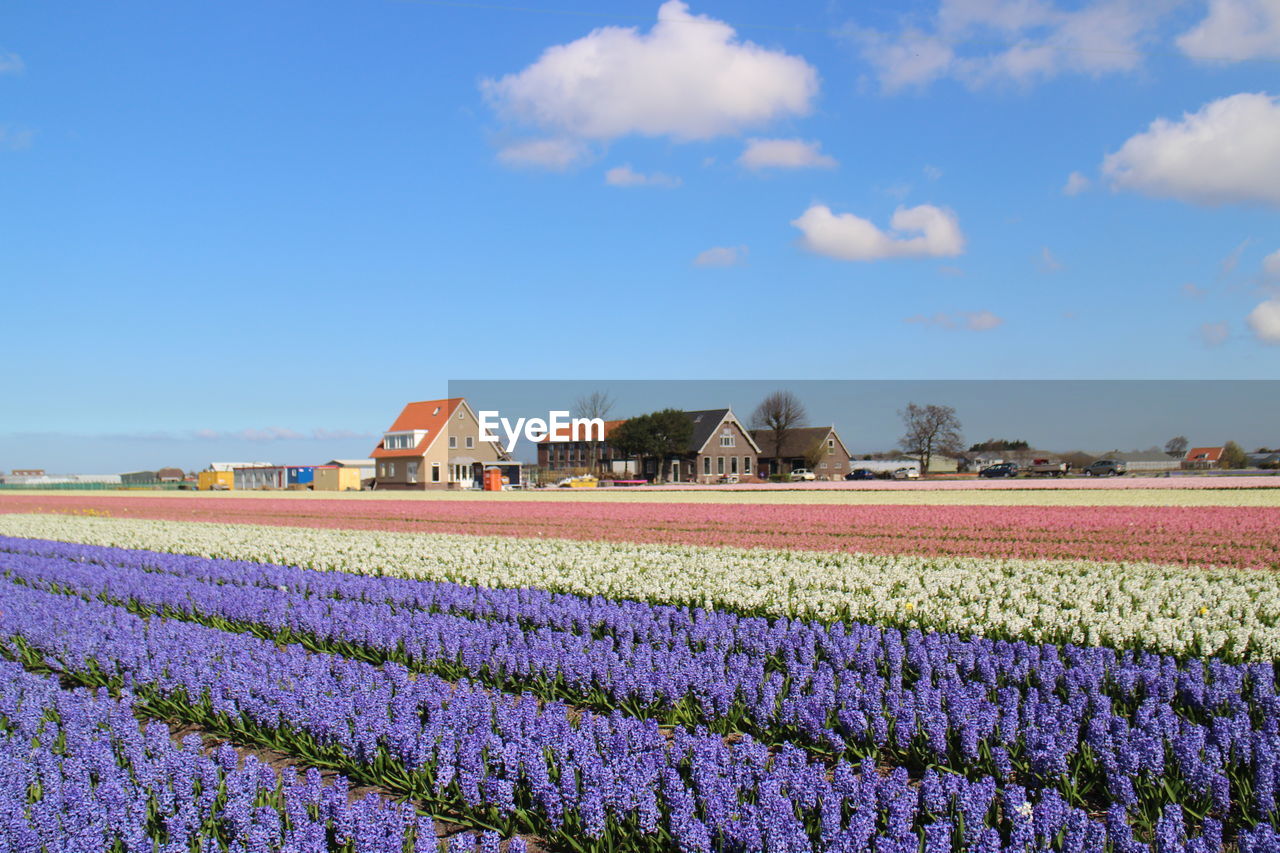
point(785, 154)
point(910, 59)
point(852, 238)
point(1225, 152)
point(1076, 184)
point(1271, 266)
point(721, 256)
point(1265, 321)
point(276, 433)
point(932, 172)
point(15, 138)
point(555, 154)
point(690, 77)
point(984, 42)
point(1214, 334)
point(973, 321)
point(1228, 264)
point(625, 176)
point(1235, 30)
point(11, 63)
point(1049, 262)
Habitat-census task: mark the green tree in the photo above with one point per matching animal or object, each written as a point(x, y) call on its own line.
point(631, 438)
point(1233, 456)
point(669, 436)
point(657, 435)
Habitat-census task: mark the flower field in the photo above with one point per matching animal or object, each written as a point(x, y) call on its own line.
point(710, 685)
point(1244, 537)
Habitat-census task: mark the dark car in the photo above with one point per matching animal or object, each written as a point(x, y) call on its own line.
point(1004, 469)
point(861, 474)
point(1106, 468)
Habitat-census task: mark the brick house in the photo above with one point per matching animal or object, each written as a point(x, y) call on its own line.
point(576, 455)
point(799, 443)
point(433, 444)
point(720, 447)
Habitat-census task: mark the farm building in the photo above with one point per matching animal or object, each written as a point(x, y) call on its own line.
point(336, 478)
point(366, 467)
point(170, 475)
point(220, 476)
point(139, 478)
point(1151, 460)
point(275, 477)
point(819, 449)
point(216, 481)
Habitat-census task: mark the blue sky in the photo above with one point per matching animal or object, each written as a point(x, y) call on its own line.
point(265, 226)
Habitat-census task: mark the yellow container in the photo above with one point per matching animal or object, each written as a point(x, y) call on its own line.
point(216, 481)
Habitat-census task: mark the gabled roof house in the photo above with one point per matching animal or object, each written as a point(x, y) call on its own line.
point(1203, 457)
point(433, 444)
point(819, 448)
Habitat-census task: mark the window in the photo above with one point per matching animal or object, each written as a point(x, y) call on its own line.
point(459, 414)
point(733, 464)
point(831, 446)
point(823, 465)
point(382, 469)
point(719, 464)
point(727, 438)
point(435, 411)
point(391, 469)
point(435, 472)
point(453, 441)
point(471, 442)
point(411, 474)
point(746, 465)
point(706, 466)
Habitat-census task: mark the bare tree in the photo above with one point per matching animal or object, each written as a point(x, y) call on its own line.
point(597, 404)
point(1177, 446)
point(780, 412)
point(931, 430)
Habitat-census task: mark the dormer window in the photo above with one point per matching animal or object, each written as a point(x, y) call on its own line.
point(403, 440)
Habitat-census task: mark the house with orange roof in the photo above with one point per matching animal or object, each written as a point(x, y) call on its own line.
point(434, 444)
point(1203, 457)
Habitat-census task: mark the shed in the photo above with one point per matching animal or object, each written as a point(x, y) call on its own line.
point(336, 478)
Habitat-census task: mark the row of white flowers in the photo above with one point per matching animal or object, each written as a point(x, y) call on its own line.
point(1233, 613)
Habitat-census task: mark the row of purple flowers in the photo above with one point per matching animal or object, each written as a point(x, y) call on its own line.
point(518, 766)
point(78, 772)
point(1101, 727)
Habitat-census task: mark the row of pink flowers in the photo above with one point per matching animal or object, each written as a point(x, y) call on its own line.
point(968, 483)
point(1246, 537)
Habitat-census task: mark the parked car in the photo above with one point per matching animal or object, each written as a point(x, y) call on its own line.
point(1004, 469)
point(803, 474)
point(1106, 468)
point(906, 474)
point(861, 474)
